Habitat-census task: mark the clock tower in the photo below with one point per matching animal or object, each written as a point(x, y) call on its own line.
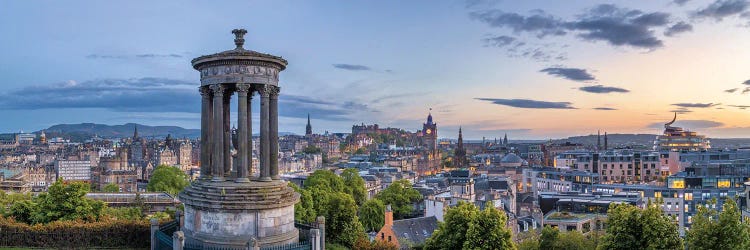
point(429, 133)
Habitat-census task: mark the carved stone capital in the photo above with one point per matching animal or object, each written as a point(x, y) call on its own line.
point(205, 91)
point(274, 91)
point(264, 90)
point(218, 89)
point(243, 88)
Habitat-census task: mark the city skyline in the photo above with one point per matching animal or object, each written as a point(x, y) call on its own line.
point(533, 70)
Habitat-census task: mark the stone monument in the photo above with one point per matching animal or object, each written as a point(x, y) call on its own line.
point(226, 207)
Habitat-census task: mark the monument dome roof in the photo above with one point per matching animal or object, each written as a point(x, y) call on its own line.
point(511, 158)
point(239, 54)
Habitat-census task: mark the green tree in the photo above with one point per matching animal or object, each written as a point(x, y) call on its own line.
point(326, 180)
point(111, 188)
point(372, 215)
point(342, 224)
point(630, 227)
point(548, 237)
point(63, 201)
point(7, 200)
point(360, 151)
point(401, 196)
point(714, 230)
point(354, 185)
point(167, 179)
point(310, 149)
point(303, 210)
point(488, 230)
point(451, 233)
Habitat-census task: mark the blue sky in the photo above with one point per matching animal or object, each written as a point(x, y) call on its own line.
point(532, 69)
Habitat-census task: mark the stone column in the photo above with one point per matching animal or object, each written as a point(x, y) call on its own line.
point(178, 240)
point(265, 151)
point(206, 114)
point(217, 161)
point(242, 114)
point(227, 132)
point(273, 122)
point(250, 131)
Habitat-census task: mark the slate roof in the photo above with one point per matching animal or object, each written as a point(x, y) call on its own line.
point(415, 230)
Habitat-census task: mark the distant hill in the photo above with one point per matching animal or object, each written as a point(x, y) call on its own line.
point(84, 130)
point(613, 139)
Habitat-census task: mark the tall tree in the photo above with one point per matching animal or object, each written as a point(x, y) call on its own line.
point(303, 210)
point(401, 196)
point(342, 224)
point(372, 215)
point(354, 185)
point(714, 230)
point(451, 233)
point(632, 228)
point(167, 179)
point(488, 230)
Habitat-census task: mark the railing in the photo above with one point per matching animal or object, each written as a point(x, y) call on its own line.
point(163, 242)
point(302, 245)
point(310, 237)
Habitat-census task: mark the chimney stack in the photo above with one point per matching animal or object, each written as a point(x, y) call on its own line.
point(388, 215)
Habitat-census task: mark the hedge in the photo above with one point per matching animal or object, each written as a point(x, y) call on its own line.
point(76, 234)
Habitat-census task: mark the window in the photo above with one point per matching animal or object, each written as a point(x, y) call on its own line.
point(688, 196)
point(382, 236)
point(389, 238)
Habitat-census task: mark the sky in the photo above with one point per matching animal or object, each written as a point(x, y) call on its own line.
point(531, 69)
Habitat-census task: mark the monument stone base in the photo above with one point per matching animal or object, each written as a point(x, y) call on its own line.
point(230, 214)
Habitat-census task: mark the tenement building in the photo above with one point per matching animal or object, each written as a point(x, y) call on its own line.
point(226, 207)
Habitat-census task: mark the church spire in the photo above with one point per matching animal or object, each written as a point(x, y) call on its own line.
point(135, 131)
point(460, 152)
point(308, 128)
point(505, 139)
point(605, 140)
point(460, 137)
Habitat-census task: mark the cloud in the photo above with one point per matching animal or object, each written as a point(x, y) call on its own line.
point(747, 82)
point(528, 104)
point(693, 124)
point(123, 95)
point(499, 41)
point(539, 23)
point(148, 95)
point(720, 9)
point(600, 89)
point(605, 22)
point(680, 111)
point(620, 26)
point(158, 55)
point(352, 67)
point(740, 106)
point(678, 28)
point(680, 2)
point(731, 90)
point(138, 56)
point(604, 108)
point(747, 89)
point(695, 105)
point(574, 74)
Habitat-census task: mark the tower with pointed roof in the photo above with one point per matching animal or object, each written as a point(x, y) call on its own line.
point(505, 139)
point(429, 133)
point(308, 128)
point(135, 132)
point(460, 153)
